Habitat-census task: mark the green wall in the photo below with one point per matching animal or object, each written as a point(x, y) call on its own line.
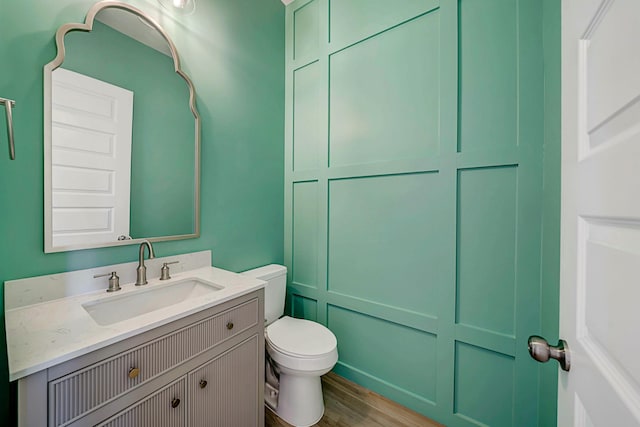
point(234, 52)
point(162, 158)
point(414, 198)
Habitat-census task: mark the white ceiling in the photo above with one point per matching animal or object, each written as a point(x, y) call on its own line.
point(134, 27)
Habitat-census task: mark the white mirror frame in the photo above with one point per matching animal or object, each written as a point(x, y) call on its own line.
point(87, 26)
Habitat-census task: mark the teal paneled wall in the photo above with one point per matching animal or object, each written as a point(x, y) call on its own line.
point(413, 197)
point(307, 128)
point(488, 64)
point(369, 217)
point(485, 387)
point(358, 100)
point(162, 160)
point(412, 374)
point(234, 52)
point(487, 234)
point(305, 238)
point(550, 281)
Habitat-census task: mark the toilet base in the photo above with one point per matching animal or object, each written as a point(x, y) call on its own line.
point(300, 400)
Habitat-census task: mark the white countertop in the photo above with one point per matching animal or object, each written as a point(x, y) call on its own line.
point(45, 334)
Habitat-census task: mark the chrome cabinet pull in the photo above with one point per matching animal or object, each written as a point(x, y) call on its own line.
point(541, 351)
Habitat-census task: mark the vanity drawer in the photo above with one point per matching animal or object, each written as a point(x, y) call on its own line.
point(166, 407)
point(82, 391)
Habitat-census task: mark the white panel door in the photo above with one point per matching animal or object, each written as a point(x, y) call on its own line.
point(600, 255)
point(91, 159)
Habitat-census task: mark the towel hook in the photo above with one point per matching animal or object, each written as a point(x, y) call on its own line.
point(8, 103)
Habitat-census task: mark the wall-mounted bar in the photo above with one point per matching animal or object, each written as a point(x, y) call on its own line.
point(8, 104)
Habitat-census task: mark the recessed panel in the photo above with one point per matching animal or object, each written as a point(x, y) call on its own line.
point(613, 67)
point(82, 102)
point(401, 356)
point(385, 239)
point(305, 308)
point(306, 30)
point(81, 219)
point(384, 96)
point(307, 112)
point(484, 386)
point(356, 19)
point(582, 417)
point(606, 187)
point(80, 139)
point(81, 180)
point(305, 233)
point(487, 248)
point(488, 67)
point(611, 266)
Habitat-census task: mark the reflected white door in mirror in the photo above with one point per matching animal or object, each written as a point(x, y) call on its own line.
point(90, 159)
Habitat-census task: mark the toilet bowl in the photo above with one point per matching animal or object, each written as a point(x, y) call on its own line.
point(298, 352)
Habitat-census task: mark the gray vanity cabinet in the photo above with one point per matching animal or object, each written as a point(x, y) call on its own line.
point(202, 370)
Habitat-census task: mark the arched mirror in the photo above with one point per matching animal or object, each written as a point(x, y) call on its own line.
point(122, 134)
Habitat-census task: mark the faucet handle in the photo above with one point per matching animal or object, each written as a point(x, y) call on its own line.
point(164, 271)
point(114, 281)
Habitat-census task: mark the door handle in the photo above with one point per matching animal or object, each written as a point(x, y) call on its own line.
point(541, 351)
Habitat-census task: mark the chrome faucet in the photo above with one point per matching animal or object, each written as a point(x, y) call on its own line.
point(142, 270)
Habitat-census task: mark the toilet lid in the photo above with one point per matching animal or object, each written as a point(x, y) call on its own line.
point(301, 337)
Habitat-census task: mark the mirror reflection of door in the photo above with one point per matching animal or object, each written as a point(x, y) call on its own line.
point(91, 159)
point(123, 50)
point(162, 149)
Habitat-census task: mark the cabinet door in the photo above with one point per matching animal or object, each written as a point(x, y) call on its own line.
point(224, 392)
point(164, 408)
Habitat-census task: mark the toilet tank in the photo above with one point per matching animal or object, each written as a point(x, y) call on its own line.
point(275, 291)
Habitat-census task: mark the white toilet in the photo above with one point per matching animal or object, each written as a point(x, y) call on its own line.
point(298, 353)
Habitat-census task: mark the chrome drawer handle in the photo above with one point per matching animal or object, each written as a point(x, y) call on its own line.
point(230, 325)
point(175, 402)
point(203, 383)
point(134, 372)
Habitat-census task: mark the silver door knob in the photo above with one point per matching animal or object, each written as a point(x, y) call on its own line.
point(541, 351)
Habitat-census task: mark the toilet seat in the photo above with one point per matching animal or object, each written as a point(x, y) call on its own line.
point(301, 344)
point(300, 337)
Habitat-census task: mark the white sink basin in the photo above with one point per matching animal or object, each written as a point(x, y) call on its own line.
point(122, 307)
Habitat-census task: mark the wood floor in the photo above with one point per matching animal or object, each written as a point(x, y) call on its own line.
point(350, 405)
